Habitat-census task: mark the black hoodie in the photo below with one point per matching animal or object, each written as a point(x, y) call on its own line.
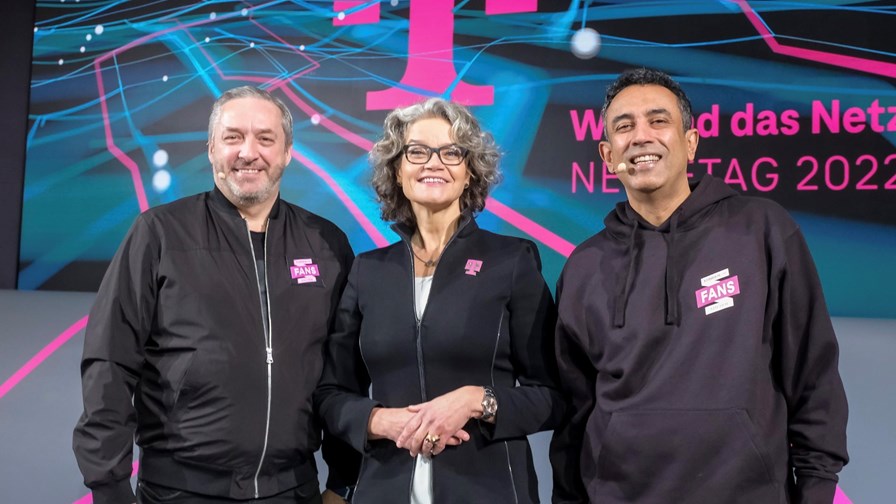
point(700, 360)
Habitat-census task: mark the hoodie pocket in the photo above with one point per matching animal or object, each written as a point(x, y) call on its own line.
point(686, 455)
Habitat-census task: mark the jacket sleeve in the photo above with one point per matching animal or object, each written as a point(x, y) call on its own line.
point(810, 378)
point(536, 403)
point(119, 325)
point(343, 461)
point(342, 398)
point(577, 379)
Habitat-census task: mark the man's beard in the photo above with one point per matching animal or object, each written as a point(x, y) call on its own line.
point(249, 198)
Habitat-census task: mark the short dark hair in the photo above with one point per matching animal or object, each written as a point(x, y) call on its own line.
point(643, 77)
point(385, 157)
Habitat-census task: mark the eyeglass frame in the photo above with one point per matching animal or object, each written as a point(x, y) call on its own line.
point(436, 151)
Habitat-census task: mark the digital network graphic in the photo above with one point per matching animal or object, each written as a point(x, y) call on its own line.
point(794, 102)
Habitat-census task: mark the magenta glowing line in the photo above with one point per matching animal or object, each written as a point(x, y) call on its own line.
point(88, 499)
point(513, 217)
point(129, 163)
point(359, 141)
point(378, 239)
point(41, 356)
point(314, 64)
point(853, 63)
point(840, 497)
point(342, 132)
point(530, 227)
point(221, 74)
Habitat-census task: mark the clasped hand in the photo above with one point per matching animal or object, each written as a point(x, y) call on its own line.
point(428, 427)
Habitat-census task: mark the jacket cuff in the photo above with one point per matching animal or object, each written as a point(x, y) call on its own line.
point(117, 492)
point(810, 490)
point(493, 431)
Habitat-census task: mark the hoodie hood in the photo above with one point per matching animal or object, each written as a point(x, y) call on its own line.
point(624, 224)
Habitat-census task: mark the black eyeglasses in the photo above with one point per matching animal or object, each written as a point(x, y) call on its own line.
point(451, 155)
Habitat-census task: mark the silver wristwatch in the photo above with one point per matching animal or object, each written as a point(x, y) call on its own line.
point(489, 405)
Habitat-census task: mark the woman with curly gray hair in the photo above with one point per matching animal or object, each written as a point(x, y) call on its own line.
point(442, 342)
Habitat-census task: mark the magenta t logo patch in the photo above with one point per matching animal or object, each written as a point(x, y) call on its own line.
point(304, 271)
point(718, 291)
point(473, 266)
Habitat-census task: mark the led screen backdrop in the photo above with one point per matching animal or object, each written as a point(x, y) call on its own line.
point(794, 101)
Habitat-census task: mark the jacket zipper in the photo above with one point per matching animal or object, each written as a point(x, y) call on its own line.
point(419, 350)
point(419, 320)
point(516, 498)
point(268, 343)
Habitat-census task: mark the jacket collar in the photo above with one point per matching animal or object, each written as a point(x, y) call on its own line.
point(465, 226)
point(220, 201)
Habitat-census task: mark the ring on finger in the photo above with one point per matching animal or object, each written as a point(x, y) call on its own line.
point(431, 439)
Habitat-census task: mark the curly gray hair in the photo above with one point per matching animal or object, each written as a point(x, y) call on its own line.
point(385, 157)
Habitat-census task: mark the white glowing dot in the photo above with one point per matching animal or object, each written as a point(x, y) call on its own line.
point(88, 37)
point(164, 78)
point(61, 61)
point(394, 3)
point(244, 11)
point(213, 15)
point(161, 180)
point(251, 44)
point(83, 49)
point(341, 16)
point(315, 119)
point(99, 29)
point(302, 47)
point(160, 158)
point(585, 43)
point(207, 40)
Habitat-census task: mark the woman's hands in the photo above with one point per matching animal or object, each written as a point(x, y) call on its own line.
point(439, 423)
point(429, 427)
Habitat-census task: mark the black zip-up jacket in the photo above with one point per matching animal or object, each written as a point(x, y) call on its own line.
point(700, 359)
point(488, 327)
point(219, 407)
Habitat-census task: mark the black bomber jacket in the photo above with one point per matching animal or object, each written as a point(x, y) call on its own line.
point(176, 352)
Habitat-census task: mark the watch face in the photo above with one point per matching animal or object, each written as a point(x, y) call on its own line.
point(489, 404)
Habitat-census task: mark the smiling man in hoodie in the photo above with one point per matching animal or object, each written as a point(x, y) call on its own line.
point(693, 337)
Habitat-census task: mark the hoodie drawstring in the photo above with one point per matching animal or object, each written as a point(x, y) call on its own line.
point(672, 312)
point(626, 284)
point(673, 315)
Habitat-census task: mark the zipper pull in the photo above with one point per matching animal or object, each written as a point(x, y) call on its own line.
point(270, 358)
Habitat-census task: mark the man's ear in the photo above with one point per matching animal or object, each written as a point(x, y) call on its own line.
point(606, 153)
point(693, 138)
